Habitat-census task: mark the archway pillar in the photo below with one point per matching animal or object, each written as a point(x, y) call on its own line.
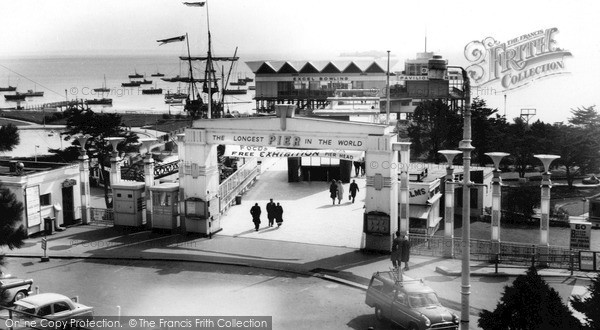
point(200, 183)
point(381, 203)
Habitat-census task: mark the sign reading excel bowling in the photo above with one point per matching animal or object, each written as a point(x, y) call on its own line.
point(290, 140)
point(516, 62)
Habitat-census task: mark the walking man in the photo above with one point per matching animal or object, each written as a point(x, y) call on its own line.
point(353, 190)
point(255, 212)
point(333, 191)
point(340, 191)
point(356, 168)
point(271, 212)
point(279, 214)
point(405, 252)
point(396, 250)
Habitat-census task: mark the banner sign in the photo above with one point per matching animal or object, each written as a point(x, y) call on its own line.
point(287, 140)
point(580, 235)
point(271, 152)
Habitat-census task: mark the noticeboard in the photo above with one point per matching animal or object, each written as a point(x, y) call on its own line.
point(377, 223)
point(32, 201)
point(580, 235)
point(587, 260)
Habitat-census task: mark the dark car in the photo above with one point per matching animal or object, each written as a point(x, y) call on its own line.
point(409, 303)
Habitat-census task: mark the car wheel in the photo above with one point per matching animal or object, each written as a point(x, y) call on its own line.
point(20, 295)
point(379, 314)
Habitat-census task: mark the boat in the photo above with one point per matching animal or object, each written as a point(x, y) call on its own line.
point(15, 97)
point(152, 90)
point(102, 89)
point(234, 91)
point(173, 101)
point(145, 82)
point(8, 89)
point(178, 95)
point(103, 101)
point(136, 75)
point(131, 84)
point(157, 74)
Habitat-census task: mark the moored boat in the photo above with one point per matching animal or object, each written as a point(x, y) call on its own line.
point(234, 91)
point(8, 89)
point(31, 92)
point(177, 96)
point(173, 101)
point(102, 89)
point(145, 82)
point(152, 90)
point(104, 101)
point(131, 84)
point(15, 97)
point(136, 75)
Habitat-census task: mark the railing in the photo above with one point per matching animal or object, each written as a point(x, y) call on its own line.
point(135, 172)
point(102, 217)
point(509, 253)
point(237, 182)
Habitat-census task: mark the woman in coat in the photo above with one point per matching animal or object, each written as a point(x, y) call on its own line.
point(340, 191)
point(278, 215)
point(333, 190)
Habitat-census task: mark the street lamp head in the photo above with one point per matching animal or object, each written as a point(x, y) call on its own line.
point(82, 141)
point(147, 143)
point(449, 154)
point(496, 158)
point(114, 141)
point(546, 160)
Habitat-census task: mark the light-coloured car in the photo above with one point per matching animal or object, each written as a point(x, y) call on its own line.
point(14, 288)
point(53, 306)
point(408, 303)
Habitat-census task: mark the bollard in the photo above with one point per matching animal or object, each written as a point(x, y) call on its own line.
point(571, 261)
point(533, 260)
point(119, 313)
point(496, 261)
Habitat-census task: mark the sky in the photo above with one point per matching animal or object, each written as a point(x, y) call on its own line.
point(322, 30)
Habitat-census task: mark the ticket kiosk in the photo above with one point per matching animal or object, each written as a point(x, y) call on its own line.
point(202, 216)
point(129, 203)
point(165, 206)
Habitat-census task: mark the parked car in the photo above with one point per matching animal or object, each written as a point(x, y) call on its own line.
point(408, 303)
point(591, 180)
point(15, 288)
point(53, 306)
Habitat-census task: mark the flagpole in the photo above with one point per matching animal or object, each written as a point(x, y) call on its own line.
point(209, 65)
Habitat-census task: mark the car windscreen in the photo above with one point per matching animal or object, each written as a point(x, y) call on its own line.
point(417, 300)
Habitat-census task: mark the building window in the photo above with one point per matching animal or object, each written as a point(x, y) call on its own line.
point(45, 200)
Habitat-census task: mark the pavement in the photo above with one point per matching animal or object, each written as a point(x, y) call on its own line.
point(317, 238)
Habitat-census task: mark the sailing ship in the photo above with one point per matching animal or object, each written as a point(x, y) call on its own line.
point(157, 74)
point(15, 97)
point(9, 88)
point(102, 89)
point(194, 104)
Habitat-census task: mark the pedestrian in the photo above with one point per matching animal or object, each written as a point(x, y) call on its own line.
point(340, 191)
point(279, 214)
point(362, 167)
point(353, 190)
point(396, 250)
point(356, 168)
point(333, 190)
point(255, 211)
point(271, 212)
point(405, 252)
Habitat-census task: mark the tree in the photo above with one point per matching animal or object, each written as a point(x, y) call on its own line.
point(530, 303)
point(579, 151)
point(12, 231)
point(98, 126)
point(487, 131)
point(518, 203)
point(9, 137)
point(589, 306)
point(434, 127)
point(521, 145)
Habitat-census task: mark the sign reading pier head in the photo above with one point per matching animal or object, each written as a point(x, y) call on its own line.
point(517, 62)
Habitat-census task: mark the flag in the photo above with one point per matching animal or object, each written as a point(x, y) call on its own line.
point(169, 40)
point(195, 4)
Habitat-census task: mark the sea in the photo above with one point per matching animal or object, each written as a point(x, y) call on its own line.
point(74, 77)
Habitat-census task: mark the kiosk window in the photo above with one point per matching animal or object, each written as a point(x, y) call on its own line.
point(45, 199)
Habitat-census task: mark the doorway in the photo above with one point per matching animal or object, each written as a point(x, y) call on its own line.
point(68, 206)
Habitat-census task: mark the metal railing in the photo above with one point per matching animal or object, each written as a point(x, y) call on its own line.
point(510, 253)
point(237, 182)
point(102, 217)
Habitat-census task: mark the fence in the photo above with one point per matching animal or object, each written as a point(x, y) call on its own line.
point(237, 182)
point(509, 253)
point(101, 217)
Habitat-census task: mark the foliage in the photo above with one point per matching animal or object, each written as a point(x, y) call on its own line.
point(98, 126)
point(590, 305)
point(530, 303)
point(487, 131)
point(12, 231)
point(518, 203)
point(434, 127)
point(9, 137)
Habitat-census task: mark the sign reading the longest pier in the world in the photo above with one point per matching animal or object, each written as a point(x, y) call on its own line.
point(289, 140)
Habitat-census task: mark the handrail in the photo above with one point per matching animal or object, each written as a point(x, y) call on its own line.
point(234, 184)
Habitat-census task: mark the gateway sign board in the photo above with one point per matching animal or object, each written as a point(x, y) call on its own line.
point(289, 141)
point(271, 152)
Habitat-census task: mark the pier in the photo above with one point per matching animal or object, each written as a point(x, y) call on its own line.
point(54, 105)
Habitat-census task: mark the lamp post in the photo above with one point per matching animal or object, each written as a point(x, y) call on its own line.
point(496, 199)
point(115, 170)
point(148, 177)
point(583, 207)
point(449, 203)
point(545, 205)
point(387, 91)
point(84, 179)
point(466, 148)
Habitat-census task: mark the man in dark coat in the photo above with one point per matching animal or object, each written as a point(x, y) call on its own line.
point(353, 190)
point(255, 211)
point(396, 250)
point(333, 189)
point(356, 168)
point(405, 252)
point(279, 214)
point(271, 212)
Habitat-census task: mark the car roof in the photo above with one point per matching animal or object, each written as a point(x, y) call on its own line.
point(410, 286)
point(42, 299)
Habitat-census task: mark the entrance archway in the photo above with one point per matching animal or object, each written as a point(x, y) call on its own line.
point(199, 177)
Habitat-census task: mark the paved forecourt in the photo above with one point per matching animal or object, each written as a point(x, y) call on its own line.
point(308, 213)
